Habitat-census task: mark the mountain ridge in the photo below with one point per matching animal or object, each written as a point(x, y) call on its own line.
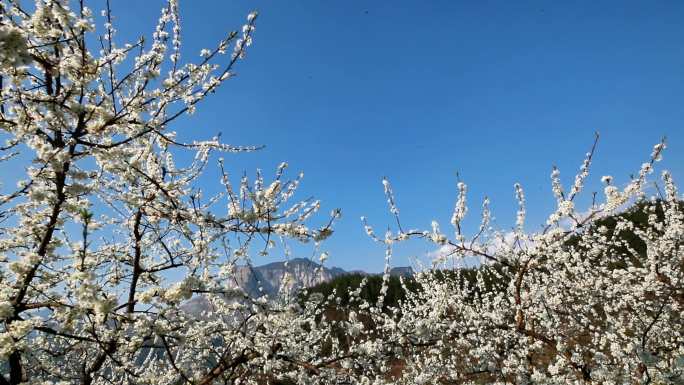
point(283, 277)
point(293, 275)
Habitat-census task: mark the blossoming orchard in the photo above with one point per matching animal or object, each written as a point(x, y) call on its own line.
point(105, 232)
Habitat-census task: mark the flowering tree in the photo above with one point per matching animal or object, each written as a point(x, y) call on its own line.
point(105, 235)
point(596, 297)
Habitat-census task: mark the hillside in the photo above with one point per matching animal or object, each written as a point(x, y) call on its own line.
point(269, 279)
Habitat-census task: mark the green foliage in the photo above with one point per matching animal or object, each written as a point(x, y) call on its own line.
point(370, 292)
point(632, 250)
point(493, 278)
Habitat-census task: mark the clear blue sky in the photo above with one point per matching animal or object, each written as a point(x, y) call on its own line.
point(350, 91)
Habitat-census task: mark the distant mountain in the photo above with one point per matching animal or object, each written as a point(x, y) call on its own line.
point(403, 271)
point(287, 277)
